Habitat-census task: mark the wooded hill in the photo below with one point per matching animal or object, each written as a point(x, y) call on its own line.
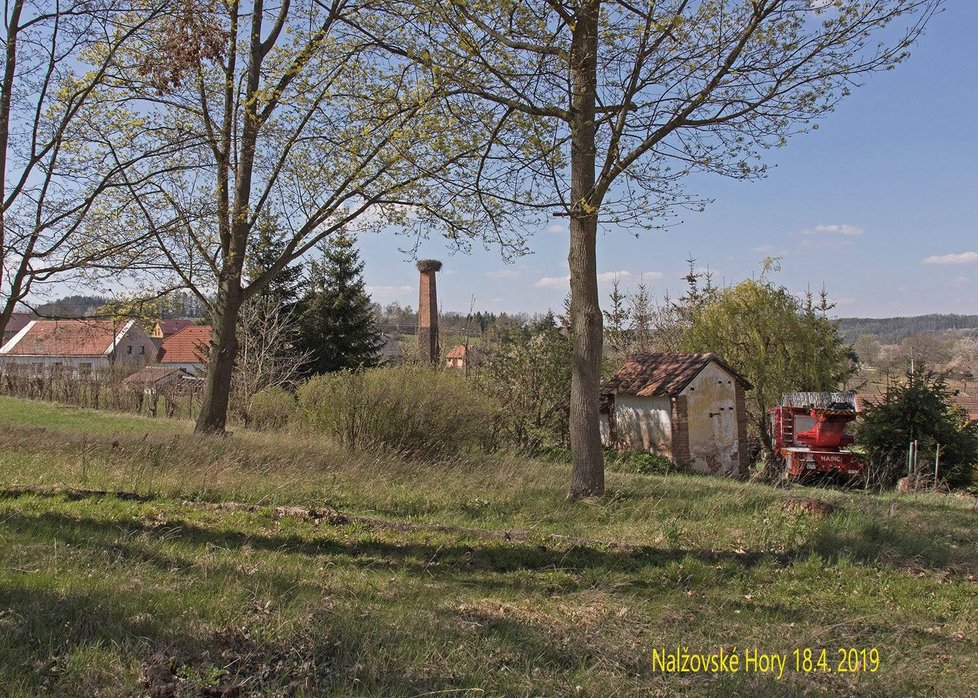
point(891, 330)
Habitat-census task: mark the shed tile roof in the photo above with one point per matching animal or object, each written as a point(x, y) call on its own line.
point(66, 338)
point(155, 376)
point(188, 346)
point(663, 373)
point(457, 352)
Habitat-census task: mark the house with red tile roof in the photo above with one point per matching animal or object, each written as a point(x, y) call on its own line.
point(688, 407)
point(77, 347)
point(462, 356)
point(187, 349)
point(164, 328)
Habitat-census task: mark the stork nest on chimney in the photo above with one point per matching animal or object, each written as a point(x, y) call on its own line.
point(425, 265)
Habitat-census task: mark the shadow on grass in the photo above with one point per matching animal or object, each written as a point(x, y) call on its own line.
point(340, 645)
point(349, 649)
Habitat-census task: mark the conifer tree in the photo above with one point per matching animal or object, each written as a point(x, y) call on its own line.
point(337, 324)
point(267, 247)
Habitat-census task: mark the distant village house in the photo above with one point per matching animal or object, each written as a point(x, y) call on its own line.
point(166, 328)
point(187, 349)
point(77, 347)
point(688, 407)
point(462, 356)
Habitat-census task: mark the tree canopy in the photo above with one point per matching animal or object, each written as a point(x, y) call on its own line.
point(776, 341)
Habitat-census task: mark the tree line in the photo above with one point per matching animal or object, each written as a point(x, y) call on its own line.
point(153, 139)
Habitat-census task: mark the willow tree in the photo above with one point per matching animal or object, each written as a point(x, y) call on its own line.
point(55, 56)
point(282, 110)
point(622, 100)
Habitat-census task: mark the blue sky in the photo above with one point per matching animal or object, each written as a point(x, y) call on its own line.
point(880, 205)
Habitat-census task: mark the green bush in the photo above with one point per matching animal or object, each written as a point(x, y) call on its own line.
point(921, 409)
point(271, 408)
point(420, 412)
point(641, 462)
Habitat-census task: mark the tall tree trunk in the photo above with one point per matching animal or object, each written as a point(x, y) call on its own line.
point(587, 477)
point(224, 340)
point(6, 96)
point(212, 418)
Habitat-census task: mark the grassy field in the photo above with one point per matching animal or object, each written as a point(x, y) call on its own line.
point(167, 590)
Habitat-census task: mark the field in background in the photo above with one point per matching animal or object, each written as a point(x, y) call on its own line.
point(169, 591)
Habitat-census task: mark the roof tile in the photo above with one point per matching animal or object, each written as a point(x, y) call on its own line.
point(67, 338)
point(188, 346)
point(662, 373)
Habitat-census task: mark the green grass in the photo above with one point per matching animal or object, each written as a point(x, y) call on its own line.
point(26, 413)
point(110, 596)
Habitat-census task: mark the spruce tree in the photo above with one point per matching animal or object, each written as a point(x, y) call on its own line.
point(267, 246)
point(337, 323)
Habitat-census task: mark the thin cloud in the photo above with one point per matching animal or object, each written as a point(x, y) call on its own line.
point(557, 228)
point(553, 282)
point(846, 230)
point(605, 278)
point(960, 258)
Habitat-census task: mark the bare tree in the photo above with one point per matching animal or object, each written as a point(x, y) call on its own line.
point(267, 356)
point(604, 107)
point(285, 109)
point(56, 57)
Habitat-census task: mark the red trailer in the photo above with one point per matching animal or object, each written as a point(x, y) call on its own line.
point(809, 433)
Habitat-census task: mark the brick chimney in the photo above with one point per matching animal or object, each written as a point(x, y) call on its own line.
point(428, 348)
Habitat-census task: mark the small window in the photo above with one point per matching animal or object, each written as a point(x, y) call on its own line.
point(129, 349)
point(142, 349)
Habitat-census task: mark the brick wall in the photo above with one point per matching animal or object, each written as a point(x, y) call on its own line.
point(743, 455)
point(428, 349)
point(680, 431)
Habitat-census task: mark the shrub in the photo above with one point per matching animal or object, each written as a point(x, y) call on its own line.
point(919, 409)
point(421, 412)
point(527, 371)
point(271, 408)
point(641, 462)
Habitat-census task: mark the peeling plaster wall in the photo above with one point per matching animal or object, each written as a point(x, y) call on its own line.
point(714, 445)
point(642, 423)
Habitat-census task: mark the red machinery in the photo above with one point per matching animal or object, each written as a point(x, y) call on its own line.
point(809, 432)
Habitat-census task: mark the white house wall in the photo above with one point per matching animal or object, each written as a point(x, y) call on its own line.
point(72, 366)
point(643, 423)
point(711, 401)
point(135, 346)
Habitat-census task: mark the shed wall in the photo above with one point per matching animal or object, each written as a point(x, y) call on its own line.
point(714, 439)
point(642, 423)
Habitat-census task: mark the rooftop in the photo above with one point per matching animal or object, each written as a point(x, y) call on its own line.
point(66, 338)
point(188, 346)
point(662, 373)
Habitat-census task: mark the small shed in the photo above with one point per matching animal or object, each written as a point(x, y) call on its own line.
point(462, 356)
point(156, 377)
point(687, 406)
